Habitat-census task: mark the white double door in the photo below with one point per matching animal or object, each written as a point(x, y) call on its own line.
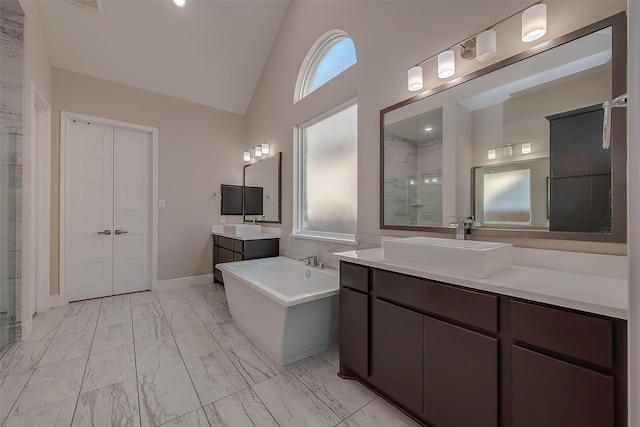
point(108, 211)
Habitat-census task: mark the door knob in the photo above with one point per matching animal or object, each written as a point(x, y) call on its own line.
point(105, 232)
point(121, 232)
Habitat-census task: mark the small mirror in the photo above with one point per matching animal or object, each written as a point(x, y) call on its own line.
point(262, 190)
point(518, 145)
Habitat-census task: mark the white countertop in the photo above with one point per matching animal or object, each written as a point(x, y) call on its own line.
point(267, 233)
point(586, 292)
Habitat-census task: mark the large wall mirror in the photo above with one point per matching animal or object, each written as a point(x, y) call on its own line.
point(262, 190)
point(518, 145)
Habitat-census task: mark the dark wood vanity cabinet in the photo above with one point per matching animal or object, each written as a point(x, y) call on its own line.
point(580, 172)
point(455, 357)
point(226, 249)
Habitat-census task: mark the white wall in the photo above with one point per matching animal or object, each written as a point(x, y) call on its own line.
point(199, 149)
point(37, 70)
point(390, 37)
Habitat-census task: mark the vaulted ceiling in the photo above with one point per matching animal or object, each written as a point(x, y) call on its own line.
point(210, 52)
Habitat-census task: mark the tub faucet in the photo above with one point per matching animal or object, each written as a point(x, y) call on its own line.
point(462, 224)
point(311, 260)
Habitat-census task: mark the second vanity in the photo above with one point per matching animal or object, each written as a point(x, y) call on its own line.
point(524, 347)
point(239, 242)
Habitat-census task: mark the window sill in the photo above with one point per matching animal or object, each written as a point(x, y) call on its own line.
point(344, 241)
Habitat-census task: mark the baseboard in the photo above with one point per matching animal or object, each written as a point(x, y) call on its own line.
point(55, 301)
point(183, 282)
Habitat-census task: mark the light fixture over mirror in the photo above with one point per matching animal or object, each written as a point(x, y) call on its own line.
point(534, 22)
point(257, 151)
point(446, 64)
point(486, 45)
point(247, 156)
point(415, 78)
point(265, 148)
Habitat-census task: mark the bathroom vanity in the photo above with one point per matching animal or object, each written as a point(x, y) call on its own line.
point(241, 242)
point(525, 347)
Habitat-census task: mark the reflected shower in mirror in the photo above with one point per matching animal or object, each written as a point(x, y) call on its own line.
point(262, 189)
point(518, 147)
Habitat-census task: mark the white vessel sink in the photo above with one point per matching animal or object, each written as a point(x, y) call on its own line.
point(465, 257)
point(242, 229)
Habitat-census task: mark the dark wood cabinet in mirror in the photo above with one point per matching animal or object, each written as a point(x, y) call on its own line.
point(517, 144)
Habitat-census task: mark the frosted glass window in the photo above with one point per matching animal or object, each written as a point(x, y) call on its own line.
point(507, 197)
point(328, 175)
point(332, 58)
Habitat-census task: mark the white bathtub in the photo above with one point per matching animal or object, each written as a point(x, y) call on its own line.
point(290, 310)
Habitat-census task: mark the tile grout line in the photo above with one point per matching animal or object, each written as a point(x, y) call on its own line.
point(86, 365)
point(35, 368)
point(135, 361)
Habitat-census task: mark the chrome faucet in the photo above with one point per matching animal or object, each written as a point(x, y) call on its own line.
point(311, 261)
point(462, 225)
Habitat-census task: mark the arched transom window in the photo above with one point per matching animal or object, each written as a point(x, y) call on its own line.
point(331, 55)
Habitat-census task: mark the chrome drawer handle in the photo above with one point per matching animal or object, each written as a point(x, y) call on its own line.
point(121, 232)
point(105, 232)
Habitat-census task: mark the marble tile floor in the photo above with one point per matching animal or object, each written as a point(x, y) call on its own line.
point(170, 358)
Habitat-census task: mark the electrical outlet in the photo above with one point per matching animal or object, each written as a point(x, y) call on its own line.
point(222, 219)
point(162, 203)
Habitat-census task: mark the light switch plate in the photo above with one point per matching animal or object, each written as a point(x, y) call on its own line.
point(162, 203)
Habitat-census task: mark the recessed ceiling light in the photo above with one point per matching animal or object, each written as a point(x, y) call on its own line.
point(180, 3)
point(429, 129)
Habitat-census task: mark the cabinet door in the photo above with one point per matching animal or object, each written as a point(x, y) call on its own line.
point(460, 376)
point(354, 332)
point(396, 357)
point(225, 255)
point(551, 393)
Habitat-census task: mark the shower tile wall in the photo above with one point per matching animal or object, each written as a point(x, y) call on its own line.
point(429, 192)
point(400, 155)
point(11, 76)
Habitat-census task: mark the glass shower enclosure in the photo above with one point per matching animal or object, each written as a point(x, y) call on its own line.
point(10, 177)
point(11, 75)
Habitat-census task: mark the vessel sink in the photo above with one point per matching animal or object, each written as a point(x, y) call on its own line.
point(242, 229)
point(459, 257)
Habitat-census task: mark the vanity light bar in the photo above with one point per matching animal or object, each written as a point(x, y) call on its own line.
point(507, 150)
point(534, 26)
point(258, 151)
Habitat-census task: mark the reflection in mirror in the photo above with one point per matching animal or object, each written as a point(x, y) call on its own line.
point(262, 190)
point(527, 136)
point(413, 182)
point(513, 194)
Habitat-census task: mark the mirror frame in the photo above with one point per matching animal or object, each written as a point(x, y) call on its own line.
point(618, 24)
point(277, 155)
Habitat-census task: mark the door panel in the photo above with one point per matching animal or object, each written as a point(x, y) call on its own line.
point(89, 210)
point(396, 363)
point(452, 377)
point(132, 211)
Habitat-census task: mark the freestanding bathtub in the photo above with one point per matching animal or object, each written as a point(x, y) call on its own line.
point(290, 310)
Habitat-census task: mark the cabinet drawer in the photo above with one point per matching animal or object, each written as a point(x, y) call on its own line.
point(238, 246)
point(354, 276)
point(225, 255)
point(225, 242)
point(551, 393)
point(463, 305)
point(261, 248)
point(216, 240)
point(238, 256)
point(576, 335)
